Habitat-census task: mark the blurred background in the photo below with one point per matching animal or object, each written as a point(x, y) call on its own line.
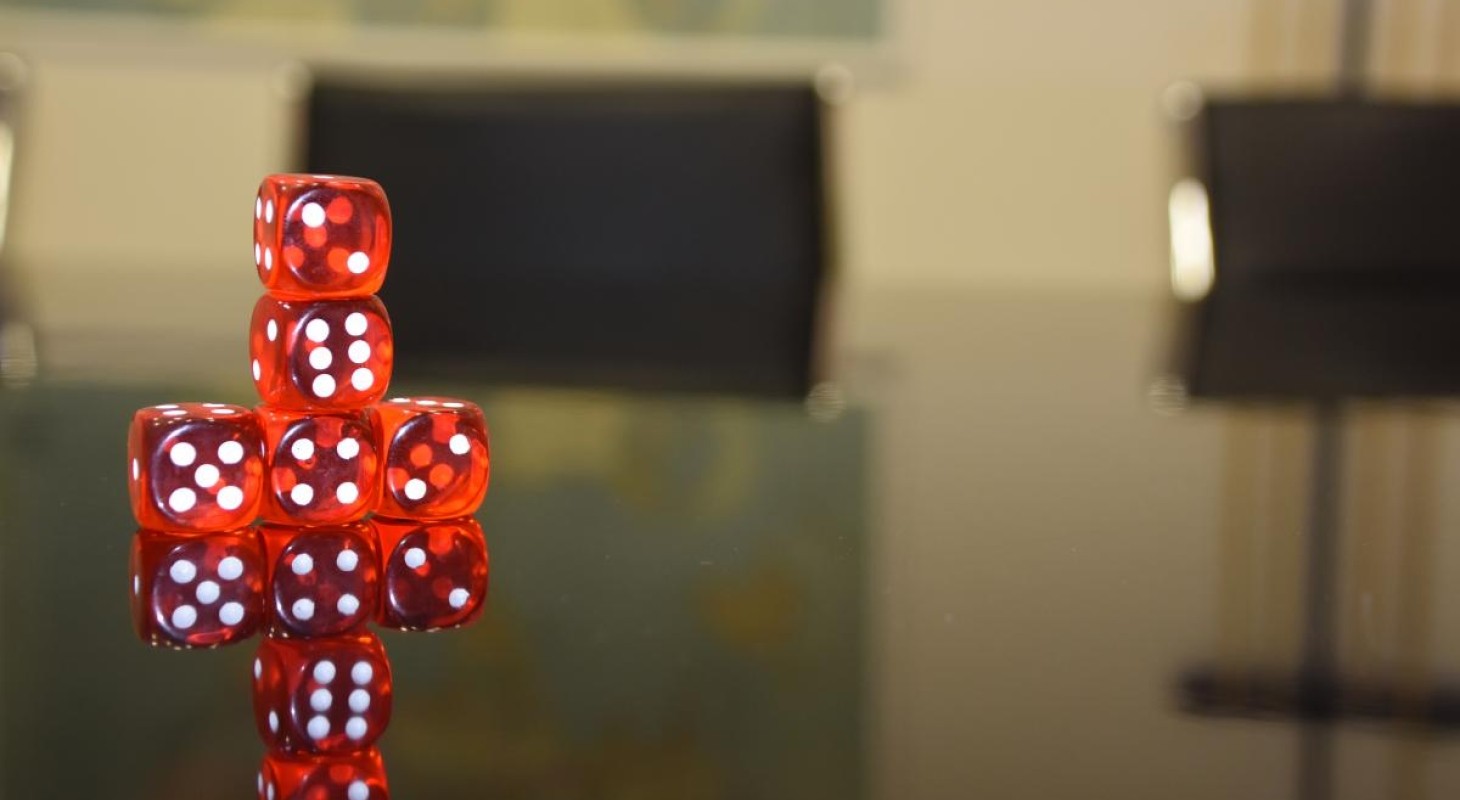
point(889, 398)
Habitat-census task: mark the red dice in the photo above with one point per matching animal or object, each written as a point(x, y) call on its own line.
point(319, 236)
point(357, 776)
point(321, 696)
point(321, 581)
point(321, 469)
point(434, 574)
point(193, 591)
point(315, 461)
point(436, 458)
point(195, 466)
point(320, 355)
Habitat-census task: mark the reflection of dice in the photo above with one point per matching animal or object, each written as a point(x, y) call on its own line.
point(434, 574)
point(321, 581)
point(327, 354)
point(436, 458)
point(196, 591)
point(357, 776)
point(321, 696)
point(195, 466)
point(322, 468)
point(321, 236)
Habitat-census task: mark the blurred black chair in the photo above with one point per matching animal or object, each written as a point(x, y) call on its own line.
point(620, 234)
point(1316, 247)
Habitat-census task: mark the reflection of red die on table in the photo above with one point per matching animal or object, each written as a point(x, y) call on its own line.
point(354, 776)
point(434, 574)
point(315, 460)
point(326, 696)
point(196, 591)
point(321, 581)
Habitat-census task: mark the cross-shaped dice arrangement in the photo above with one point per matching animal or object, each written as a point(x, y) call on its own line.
point(366, 506)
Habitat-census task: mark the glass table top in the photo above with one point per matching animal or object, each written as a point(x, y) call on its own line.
point(676, 607)
point(994, 574)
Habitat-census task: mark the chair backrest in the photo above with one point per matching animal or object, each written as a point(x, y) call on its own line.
point(1334, 250)
point(611, 234)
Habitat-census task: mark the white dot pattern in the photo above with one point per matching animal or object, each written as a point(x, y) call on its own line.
point(182, 454)
point(230, 498)
point(231, 613)
point(230, 452)
point(318, 727)
point(317, 330)
point(348, 448)
point(206, 476)
point(183, 571)
point(183, 617)
point(347, 605)
point(321, 700)
point(303, 609)
point(182, 500)
point(359, 701)
point(312, 214)
point(458, 597)
point(302, 494)
point(356, 728)
point(230, 568)
point(302, 449)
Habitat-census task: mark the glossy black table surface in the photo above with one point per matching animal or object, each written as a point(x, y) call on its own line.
point(676, 608)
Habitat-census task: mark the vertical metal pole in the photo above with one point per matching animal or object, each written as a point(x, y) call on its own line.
point(1317, 674)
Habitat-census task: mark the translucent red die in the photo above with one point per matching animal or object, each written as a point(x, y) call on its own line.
point(434, 574)
point(195, 466)
point(320, 581)
point(321, 696)
point(318, 236)
point(355, 776)
point(320, 355)
point(321, 468)
point(191, 591)
point(436, 458)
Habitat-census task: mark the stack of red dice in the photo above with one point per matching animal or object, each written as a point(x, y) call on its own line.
point(316, 460)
